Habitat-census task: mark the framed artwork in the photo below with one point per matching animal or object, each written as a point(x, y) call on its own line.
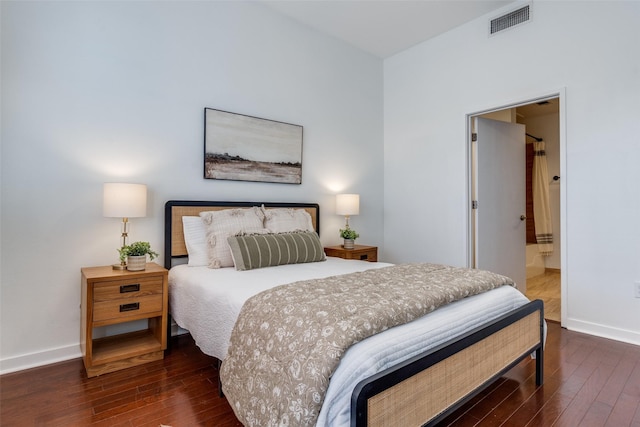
point(245, 148)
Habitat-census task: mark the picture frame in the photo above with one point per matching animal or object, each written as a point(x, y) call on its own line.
point(245, 148)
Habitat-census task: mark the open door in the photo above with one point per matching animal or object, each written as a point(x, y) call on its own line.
point(498, 215)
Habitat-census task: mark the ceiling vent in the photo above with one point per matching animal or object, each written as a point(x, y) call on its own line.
point(510, 20)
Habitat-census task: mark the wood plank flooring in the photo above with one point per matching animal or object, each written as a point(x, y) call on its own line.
point(589, 381)
point(547, 288)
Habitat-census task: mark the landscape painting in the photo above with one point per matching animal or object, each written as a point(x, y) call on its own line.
point(245, 148)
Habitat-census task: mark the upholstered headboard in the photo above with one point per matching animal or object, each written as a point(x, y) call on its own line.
point(174, 210)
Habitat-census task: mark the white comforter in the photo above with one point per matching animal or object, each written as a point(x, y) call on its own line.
point(207, 302)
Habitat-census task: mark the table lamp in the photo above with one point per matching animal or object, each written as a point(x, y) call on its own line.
point(124, 201)
point(347, 205)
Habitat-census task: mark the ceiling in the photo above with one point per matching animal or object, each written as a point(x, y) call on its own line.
point(384, 27)
point(541, 108)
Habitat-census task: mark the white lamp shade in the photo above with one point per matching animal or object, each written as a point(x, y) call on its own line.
point(124, 200)
point(347, 204)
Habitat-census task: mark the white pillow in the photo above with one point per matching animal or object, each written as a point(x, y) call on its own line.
point(225, 223)
point(195, 239)
point(287, 220)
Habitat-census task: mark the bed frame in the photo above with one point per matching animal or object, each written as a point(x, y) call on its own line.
point(429, 387)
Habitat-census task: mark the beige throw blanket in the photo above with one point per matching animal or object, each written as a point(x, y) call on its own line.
point(288, 340)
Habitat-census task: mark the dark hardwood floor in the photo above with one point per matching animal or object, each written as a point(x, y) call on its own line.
point(589, 381)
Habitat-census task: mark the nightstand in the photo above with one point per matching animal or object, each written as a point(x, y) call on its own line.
point(360, 252)
point(111, 297)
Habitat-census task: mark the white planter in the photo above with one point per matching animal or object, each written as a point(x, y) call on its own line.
point(136, 263)
point(348, 243)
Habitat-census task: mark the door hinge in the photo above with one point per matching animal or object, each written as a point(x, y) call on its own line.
point(474, 204)
point(474, 137)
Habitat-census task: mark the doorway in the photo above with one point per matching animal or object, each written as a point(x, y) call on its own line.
point(543, 119)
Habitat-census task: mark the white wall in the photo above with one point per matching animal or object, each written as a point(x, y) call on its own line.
point(95, 92)
point(586, 47)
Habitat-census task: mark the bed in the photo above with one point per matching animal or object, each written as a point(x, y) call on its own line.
point(411, 374)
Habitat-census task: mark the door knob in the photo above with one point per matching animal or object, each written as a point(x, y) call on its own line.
point(522, 217)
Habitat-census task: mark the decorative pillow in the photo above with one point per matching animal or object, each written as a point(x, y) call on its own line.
point(228, 222)
point(284, 220)
point(267, 250)
point(195, 239)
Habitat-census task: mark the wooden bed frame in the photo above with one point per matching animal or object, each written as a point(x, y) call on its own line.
point(429, 387)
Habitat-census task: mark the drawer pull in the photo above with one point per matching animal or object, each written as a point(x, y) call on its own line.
point(129, 288)
point(129, 307)
point(365, 256)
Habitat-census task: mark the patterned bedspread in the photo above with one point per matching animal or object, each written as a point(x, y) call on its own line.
point(288, 340)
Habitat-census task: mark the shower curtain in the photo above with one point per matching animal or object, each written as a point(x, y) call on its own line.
point(541, 209)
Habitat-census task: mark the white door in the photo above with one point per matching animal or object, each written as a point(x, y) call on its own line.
point(500, 226)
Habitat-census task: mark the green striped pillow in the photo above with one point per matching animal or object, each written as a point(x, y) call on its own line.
point(267, 250)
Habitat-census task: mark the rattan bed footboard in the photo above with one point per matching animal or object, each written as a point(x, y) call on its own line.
point(427, 388)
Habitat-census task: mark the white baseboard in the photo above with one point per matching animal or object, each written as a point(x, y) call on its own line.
point(47, 357)
point(61, 354)
point(33, 360)
point(624, 335)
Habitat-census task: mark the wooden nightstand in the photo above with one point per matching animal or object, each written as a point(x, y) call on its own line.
point(113, 296)
point(360, 252)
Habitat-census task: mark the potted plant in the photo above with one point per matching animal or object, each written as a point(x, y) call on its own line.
point(136, 255)
point(349, 235)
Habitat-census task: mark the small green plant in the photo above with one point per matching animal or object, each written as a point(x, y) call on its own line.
point(137, 249)
point(348, 234)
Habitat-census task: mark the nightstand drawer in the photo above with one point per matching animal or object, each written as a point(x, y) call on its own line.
point(368, 255)
point(121, 309)
point(127, 289)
